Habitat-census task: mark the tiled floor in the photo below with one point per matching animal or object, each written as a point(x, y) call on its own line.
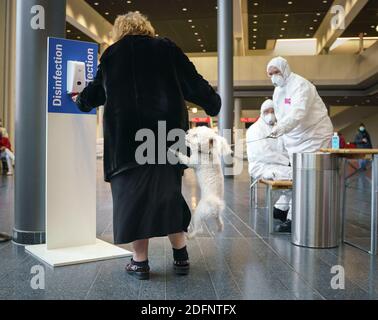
point(244, 262)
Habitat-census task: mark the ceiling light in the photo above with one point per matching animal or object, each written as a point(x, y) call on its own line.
point(307, 35)
point(254, 36)
point(376, 28)
point(255, 22)
point(290, 2)
point(286, 15)
point(255, 15)
point(318, 14)
point(68, 31)
point(311, 28)
point(204, 50)
point(196, 33)
point(254, 42)
point(128, 1)
point(199, 40)
point(184, 9)
point(285, 21)
point(107, 13)
point(193, 27)
point(315, 20)
point(325, 1)
point(96, 3)
point(201, 45)
point(255, 3)
point(281, 35)
point(283, 29)
point(254, 48)
point(194, 110)
point(190, 20)
point(254, 30)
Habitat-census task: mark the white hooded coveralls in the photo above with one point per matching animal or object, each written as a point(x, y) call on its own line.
point(268, 158)
point(301, 113)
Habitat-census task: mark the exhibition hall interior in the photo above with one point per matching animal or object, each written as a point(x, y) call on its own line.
point(57, 216)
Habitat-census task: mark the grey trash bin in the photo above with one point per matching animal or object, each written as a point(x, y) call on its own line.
point(316, 200)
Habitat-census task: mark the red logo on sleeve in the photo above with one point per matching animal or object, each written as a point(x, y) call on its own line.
point(288, 101)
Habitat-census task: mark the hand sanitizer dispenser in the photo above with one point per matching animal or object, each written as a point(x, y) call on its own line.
point(335, 141)
point(76, 77)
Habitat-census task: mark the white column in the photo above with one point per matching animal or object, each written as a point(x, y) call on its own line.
point(226, 65)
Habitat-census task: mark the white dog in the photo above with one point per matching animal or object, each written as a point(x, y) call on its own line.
point(207, 150)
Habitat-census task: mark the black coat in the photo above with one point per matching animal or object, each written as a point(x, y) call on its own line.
point(358, 140)
point(142, 80)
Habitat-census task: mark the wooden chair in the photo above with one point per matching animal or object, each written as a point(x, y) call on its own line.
point(273, 186)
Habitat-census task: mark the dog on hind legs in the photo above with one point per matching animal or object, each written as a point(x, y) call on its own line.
point(207, 150)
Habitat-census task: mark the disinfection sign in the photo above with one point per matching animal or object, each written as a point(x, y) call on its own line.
point(64, 56)
point(71, 167)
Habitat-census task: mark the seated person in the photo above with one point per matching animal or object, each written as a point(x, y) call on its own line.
point(268, 158)
point(3, 130)
point(6, 153)
point(5, 134)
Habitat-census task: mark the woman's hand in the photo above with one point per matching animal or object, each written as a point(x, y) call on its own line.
point(74, 97)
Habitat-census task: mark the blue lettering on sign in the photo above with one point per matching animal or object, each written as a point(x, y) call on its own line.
point(60, 51)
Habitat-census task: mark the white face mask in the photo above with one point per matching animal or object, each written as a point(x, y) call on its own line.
point(278, 80)
point(270, 119)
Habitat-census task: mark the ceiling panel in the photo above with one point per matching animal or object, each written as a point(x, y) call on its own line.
point(282, 19)
point(366, 22)
point(73, 33)
point(198, 21)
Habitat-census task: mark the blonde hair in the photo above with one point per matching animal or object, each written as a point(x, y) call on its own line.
point(132, 23)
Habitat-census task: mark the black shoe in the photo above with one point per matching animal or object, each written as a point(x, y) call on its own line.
point(181, 268)
point(280, 215)
point(4, 237)
point(285, 227)
point(141, 273)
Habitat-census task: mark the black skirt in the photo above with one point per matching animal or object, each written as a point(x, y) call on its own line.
point(148, 203)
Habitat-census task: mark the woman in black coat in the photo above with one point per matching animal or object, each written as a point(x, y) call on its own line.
point(143, 80)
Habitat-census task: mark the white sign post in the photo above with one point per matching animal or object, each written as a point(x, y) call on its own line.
point(71, 166)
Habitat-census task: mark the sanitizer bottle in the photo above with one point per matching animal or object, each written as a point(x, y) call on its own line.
point(335, 141)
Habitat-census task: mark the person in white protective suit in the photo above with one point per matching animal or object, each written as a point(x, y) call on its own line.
point(302, 117)
point(268, 158)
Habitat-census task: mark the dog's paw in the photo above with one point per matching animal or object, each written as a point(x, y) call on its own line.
point(191, 236)
point(194, 233)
